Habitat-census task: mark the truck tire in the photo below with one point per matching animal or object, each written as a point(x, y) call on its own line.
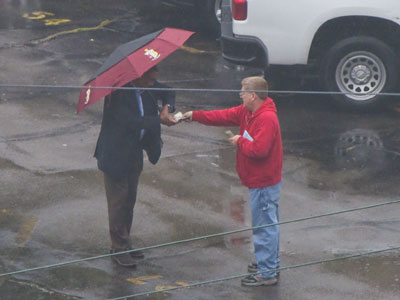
point(360, 67)
point(212, 15)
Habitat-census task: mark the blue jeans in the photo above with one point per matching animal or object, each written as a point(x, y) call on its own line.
point(264, 204)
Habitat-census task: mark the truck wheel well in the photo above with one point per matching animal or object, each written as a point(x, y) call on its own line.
point(337, 29)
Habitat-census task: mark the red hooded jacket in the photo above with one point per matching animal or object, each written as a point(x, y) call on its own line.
point(258, 162)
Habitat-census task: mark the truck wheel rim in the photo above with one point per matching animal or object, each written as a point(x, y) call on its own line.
point(361, 75)
point(218, 10)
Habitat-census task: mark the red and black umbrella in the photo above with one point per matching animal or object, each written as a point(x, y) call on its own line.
point(129, 61)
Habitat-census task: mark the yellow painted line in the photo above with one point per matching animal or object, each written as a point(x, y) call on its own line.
point(164, 287)
point(350, 148)
point(143, 279)
point(197, 51)
point(26, 229)
point(37, 15)
point(55, 22)
point(40, 15)
point(77, 30)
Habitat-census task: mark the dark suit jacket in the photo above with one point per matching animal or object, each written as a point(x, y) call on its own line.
point(119, 143)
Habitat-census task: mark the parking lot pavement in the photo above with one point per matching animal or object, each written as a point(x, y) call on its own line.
point(53, 206)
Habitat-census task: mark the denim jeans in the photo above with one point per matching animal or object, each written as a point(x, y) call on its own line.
point(264, 204)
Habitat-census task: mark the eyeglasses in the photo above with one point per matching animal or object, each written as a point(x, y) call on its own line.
point(242, 93)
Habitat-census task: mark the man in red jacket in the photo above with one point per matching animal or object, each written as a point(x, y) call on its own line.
point(259, 166)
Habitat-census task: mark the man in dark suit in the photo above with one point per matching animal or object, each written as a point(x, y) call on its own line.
point(131, 124)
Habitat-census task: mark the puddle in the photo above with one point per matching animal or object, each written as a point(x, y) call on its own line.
point(15, 254)
point(7, 164)
point(204, 179)
point(185, 228)
point(78, 278)
point(356, 161)
point(12, 289)
point(355, 149)
point(207, 182)
point(381, 272)
point(22, 14)
point(9, 220)
point(22, 190)
point(11, 16)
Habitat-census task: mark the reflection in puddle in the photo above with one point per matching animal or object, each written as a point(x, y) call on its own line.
point(203, 179)
point(382, 272)
point(186, 227)
point(238, 210)
point(355, 162)
point(78, 278)
point(360, 148)
point(12, 10)
point(208, 182)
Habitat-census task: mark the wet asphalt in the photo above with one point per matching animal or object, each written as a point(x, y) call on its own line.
point(52, 202)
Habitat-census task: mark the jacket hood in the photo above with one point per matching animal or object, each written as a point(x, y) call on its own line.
point(268, 105)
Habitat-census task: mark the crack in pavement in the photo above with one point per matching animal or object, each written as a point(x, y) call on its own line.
point(40, 288)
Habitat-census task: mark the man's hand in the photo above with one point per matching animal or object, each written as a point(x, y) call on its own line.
point(187, 116)
point(234, 140)
point(166, 118)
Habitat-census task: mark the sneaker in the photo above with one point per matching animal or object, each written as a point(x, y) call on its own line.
point(253, 268)
point(124, 259)
point(257, 280)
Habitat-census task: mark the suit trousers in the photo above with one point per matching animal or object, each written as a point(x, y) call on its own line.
point(121, 199)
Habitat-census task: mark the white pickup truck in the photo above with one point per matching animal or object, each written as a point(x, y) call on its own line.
point(352, 45)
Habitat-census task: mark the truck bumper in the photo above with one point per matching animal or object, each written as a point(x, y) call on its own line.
point(243, 51)
point(240, 50)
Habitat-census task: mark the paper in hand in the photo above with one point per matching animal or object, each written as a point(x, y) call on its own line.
point(229, 133)
point(247, 136)
point(179, 117)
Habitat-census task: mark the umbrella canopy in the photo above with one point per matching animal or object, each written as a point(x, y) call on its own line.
point(129, 61)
